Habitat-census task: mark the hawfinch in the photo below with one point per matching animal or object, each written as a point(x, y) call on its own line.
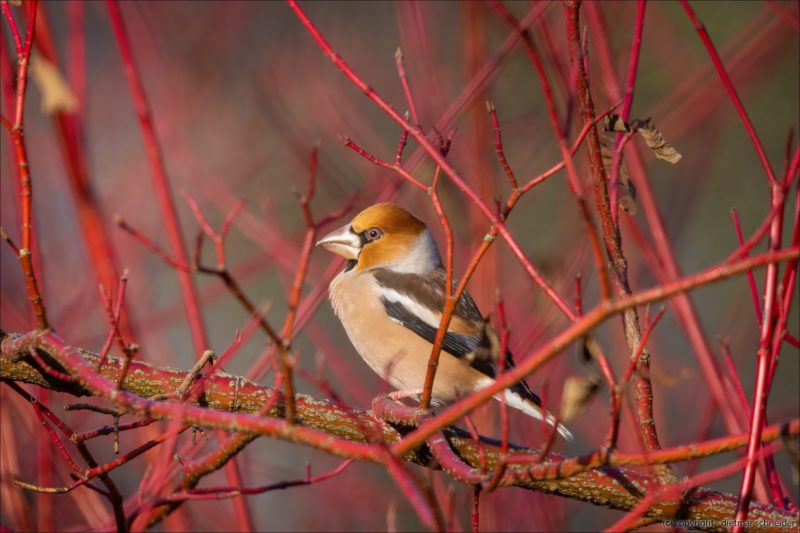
point(390, 299)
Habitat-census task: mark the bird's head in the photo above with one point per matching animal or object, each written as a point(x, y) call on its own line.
point(385, 236)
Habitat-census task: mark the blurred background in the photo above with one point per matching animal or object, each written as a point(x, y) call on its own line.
point(240, 93)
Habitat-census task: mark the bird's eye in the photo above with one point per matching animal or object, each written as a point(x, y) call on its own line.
point(373, 234)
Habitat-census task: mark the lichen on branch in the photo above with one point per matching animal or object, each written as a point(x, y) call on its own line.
point(228, 402)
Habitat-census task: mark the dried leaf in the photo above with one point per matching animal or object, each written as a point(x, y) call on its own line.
point(56, 93)
point(655, 140)
point(585, 354)
point(651, 135)
point(15, 3)
point(608, 158)
point(614, 122)
point(627, 199)
point(671, 378)
point(627, 192)
point(578, 391)
point(628, 204)
point(488, 348)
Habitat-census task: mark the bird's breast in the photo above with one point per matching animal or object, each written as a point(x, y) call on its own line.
point(355, 301)
point(394, 352)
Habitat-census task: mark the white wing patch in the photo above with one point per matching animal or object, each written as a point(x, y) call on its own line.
point(425, 314)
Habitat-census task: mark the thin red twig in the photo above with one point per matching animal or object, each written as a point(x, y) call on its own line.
point(751, 280)
point(12, 23)
point(731, 89)
point(450, 300)
point(734, 377)
point(113, 318)
point(635, 356)
point(56, 441)
point(150, 245)
point(20, 151)
point(498, 146)
point(112, 493)
point(107, 430)
point(627, 103)
point(50, 371)
point(219, 493)
point(401, 73)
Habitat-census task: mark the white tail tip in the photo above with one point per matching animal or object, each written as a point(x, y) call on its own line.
point(518, 402)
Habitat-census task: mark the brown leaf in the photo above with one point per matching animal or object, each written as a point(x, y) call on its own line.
point(627, 192)
point(628, 204)
point(655, 141)
point(578, 391)
point(651, 135)
point(488, 347)
point(585, 353)
point(627, 197)
point(56, 93)
point(614, 122)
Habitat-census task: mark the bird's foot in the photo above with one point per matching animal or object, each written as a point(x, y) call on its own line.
point(389, 408)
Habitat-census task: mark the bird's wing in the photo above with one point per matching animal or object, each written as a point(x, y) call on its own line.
point(416, 302)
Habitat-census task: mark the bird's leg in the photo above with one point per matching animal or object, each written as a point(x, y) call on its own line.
point(387, 408)
point(419, 413)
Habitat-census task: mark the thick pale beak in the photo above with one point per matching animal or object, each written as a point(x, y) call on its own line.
point(343, 241)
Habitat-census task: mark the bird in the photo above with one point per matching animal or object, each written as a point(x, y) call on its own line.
point(390, 298)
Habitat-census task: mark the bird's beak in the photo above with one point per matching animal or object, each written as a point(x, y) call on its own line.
point(343, 241)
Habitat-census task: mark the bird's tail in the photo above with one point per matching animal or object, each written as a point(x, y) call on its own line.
point(530, 408)
point(519, 396)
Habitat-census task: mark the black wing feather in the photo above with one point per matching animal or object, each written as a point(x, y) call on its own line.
point(479, 351)
point(454, 344)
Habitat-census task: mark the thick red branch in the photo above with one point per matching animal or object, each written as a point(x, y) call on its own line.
point(324, 425)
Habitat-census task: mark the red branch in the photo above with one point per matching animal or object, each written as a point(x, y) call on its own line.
point(21, 154)
point(627, 103)
point(219, 493)
point(751, 280)
point(729, 87)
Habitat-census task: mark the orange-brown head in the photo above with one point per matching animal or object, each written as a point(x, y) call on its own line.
point(385, 236)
